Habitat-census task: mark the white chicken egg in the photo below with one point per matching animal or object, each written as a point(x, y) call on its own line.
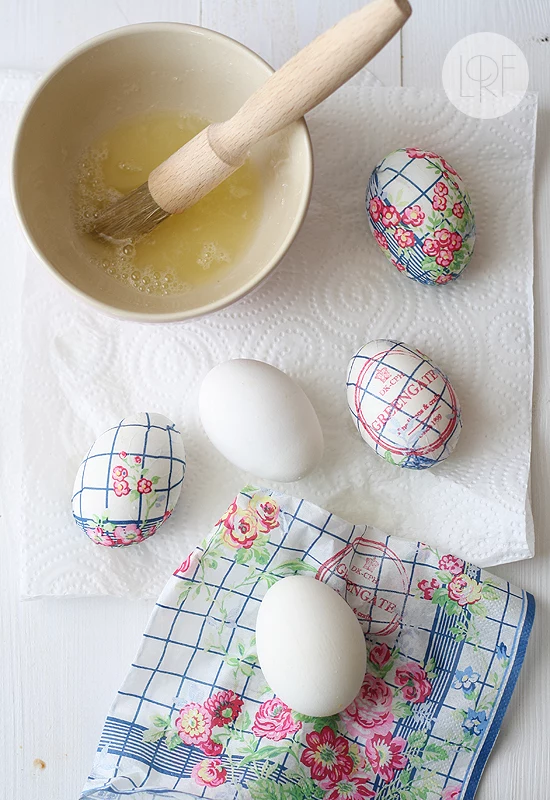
point(260, 420)
point(311, 647)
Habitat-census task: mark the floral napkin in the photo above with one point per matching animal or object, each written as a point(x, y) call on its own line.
point(195, 717)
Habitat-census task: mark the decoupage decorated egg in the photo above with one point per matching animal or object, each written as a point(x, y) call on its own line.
point(420, 214)
point(404, 407)
point(129, 481)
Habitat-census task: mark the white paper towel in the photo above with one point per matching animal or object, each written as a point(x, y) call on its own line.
point(82, 371)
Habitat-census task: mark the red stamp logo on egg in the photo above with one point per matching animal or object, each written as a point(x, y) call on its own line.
point(373, 581)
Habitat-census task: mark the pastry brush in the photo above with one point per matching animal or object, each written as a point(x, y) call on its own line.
point(217, 151)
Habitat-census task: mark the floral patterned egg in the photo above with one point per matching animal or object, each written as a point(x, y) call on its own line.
point(404, 407)
point(421, 216)
point(129, 481)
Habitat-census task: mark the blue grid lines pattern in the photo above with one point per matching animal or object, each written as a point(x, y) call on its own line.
point(198, 649)
point(384, 422)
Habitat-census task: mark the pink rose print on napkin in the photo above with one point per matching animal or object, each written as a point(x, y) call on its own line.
point(209, 772)
point(210, 748)
point(441, 189)
point(381, 239)
point(274, 721)
point(267, 512)
point(121, 488)
point(464, 590)
point(128, 534)
point(439, 203)
point(351, 788)
point(194, 724)
point(327, 756)
point(458, 210)
point(444, 258)
point(452, 564)
point(447, 167)
point(241, 529)
point(451, 792)
point(443, 278)
point(371, 709)
point(414, 682)
point(404, 238)
point(380, 654)
point(428, 587)
point(375, 208)
point(455, 242)
point(120, 472)
point(390, 216)
point(224, 707)
point(385, 755)
point(430, 247)
point(414, 152)
point(144, 486)
point(412, 215)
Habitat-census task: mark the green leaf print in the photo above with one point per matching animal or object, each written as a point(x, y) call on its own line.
point(459, 631)
point(243, 555)
point(434, 752)
point(172, 740)
point(417, 739)
point(268, 752)
point(326, 722)
point(440, 596)
point(443, 576)
point(183, 595)
point(152, 735)
point(265, 789)
point(405, 776)
point(401, 709)
point(478, 609)
point(489, 592)
point(161, 722)
point(262, 556)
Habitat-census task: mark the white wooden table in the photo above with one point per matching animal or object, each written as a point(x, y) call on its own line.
point(61, 661)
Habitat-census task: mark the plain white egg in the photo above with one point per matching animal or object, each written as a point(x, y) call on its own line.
point(260, 420)
point(311, 647)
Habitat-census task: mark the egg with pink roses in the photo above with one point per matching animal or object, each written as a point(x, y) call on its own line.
point(128, 483)
point(421, 215)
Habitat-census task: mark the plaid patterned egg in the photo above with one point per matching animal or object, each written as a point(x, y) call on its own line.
point(129, 481)
point(420, 215)
point(404, 407)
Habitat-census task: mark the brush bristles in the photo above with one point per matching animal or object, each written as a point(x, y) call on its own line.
point(130, 217)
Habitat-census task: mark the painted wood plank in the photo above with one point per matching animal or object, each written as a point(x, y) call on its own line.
point(277, 30)
point(519, 767)
point(36, 33)
point(62, 660)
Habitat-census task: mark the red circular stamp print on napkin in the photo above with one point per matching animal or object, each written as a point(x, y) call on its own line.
point(373, 581)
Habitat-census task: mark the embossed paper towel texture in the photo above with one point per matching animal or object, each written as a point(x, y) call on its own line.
point(333, 292)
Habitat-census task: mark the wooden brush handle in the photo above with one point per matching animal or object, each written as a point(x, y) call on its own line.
point(302, 83)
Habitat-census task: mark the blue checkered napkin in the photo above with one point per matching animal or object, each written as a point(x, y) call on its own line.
point(195, 718)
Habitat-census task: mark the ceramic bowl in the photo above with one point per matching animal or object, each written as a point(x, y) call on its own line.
point(130, 71)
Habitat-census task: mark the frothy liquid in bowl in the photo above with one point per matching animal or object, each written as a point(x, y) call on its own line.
point(185, 250)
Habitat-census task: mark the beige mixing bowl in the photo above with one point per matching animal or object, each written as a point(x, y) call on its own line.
point(130, 71)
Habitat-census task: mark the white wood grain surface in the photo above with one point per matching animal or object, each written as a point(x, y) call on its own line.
point(61, 661)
